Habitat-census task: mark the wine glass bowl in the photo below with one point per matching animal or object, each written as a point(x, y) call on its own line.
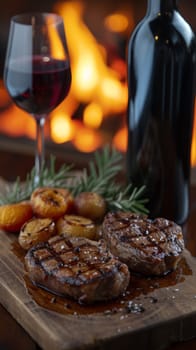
point(37, 70)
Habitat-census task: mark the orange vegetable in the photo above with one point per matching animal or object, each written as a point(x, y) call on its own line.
point(49, 202)
point(13, 216)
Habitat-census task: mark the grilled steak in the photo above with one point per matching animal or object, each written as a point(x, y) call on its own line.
point(77, 267)
point(151, 247)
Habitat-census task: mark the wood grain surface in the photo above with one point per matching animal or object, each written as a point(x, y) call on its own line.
point(168, 311)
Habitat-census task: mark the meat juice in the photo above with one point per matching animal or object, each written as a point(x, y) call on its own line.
point(139, 292)
point(161, 79)
point(38, 85)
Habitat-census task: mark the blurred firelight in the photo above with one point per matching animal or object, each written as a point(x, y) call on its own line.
point(88, 141)
point(92, 79)
point(116, 22)
point(113, 94)
point(193, 148)
point(62, 129)
point(15, 122)
point(93, 115)
point(85, 77)
point(120, 139)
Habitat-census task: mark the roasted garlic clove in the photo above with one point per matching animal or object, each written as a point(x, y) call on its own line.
point(35, 231)
point(90, 205)
point(73, 225)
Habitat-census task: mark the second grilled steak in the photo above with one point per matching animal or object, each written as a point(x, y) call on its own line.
point(77, 267)
point(151, 247)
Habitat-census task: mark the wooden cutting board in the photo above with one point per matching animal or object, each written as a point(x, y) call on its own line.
point(154, 312)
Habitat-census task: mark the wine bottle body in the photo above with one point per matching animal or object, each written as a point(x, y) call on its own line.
point(161, 79)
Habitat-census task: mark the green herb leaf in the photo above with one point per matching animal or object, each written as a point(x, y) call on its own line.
point(99, 177)
point(101, 172)
point(19, 191)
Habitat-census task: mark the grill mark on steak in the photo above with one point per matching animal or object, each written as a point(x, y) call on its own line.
point(54, 256)
point(141, 233)
point(77, 267)
point(145, 245)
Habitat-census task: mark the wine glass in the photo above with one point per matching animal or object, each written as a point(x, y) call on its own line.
point(37, 70)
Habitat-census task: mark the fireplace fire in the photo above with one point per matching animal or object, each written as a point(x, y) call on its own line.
point(95, 111)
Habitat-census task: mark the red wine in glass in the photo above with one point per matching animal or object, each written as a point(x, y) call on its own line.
point(37, 70)
point(41, 86)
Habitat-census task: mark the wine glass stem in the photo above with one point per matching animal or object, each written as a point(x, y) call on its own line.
point(39, 153)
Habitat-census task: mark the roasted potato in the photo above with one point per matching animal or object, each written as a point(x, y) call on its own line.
point(90, 205)
point(36, 230)
point(74, 225)
point(13, 216)
point(49, 202)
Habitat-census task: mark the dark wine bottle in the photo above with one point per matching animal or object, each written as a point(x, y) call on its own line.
point(161, 84)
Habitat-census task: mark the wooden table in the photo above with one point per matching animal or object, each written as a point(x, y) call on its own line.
point(13, 336)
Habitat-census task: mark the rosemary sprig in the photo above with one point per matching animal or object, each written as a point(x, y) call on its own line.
point(19, 191)
point(13, 193)
point(101, 172)
point(99, 177)
point(128, 199)
point(50, 177)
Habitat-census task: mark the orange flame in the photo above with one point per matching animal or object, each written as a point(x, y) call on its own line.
point(93, 83)
point(92, 79)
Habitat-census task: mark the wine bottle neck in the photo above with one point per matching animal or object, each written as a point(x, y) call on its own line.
point(160, 6)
